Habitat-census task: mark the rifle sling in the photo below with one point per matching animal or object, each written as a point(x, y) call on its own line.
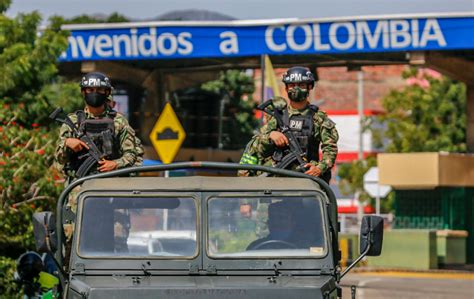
point(86, 167)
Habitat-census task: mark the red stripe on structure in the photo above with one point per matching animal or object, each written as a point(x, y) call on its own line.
point(353, 210)
point(353, 112)
point(343, 157)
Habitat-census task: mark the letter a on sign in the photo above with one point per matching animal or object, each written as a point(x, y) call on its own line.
point(167, 135)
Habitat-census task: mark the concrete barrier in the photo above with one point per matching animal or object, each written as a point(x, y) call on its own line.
point(409, 249)
point(451, 246)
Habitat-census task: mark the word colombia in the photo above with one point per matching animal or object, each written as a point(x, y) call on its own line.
point(163, 42)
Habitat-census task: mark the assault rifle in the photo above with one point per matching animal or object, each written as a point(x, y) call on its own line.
point(93, 155)
point(295, 154)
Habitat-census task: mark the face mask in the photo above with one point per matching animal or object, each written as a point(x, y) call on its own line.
point(95, 99)
point(297, 94)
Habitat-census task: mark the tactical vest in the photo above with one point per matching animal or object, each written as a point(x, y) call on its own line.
point(101, 132)
point(302, 127)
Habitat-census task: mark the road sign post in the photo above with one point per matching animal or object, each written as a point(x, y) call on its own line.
point(373, 188)
point(167, 135)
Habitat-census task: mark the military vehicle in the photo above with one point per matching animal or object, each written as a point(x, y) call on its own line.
point(200, 236)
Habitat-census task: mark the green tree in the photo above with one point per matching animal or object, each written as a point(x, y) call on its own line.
point(29, 90)
point(237, 87)
point(88, 19)
point(427, 115)
point(351, 176)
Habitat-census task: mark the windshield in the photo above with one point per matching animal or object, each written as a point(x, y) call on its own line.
point(138, 227)
point(265, 227)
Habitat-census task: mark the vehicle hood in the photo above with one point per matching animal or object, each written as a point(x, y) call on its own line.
point(228, 287)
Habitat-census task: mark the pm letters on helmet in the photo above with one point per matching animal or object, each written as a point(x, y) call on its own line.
point(94, 82)
point(295, 77)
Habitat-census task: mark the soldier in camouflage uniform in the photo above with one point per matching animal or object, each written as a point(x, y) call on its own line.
point(138, 143)
point(96, 88)
point(127, 151)
point(312, 127)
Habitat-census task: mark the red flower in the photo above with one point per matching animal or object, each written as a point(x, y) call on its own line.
point(40, 151)
point(35, 125)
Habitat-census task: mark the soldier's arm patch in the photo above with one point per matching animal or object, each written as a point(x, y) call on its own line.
point(328, 123)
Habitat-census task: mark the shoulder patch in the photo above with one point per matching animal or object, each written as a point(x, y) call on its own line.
point(319, 117)
point(328, 123)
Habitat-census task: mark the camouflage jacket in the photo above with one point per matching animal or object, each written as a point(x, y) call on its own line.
point(260, 148)
point(130, 148)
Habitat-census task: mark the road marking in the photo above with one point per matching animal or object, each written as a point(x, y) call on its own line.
point(466, 276)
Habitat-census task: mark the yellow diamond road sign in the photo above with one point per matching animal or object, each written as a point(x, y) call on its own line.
point(167, 135)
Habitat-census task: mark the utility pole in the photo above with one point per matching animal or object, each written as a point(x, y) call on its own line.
point(360, 110)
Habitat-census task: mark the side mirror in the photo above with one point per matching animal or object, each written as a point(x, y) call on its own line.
point(371, 232)
point(371, 237)
point(44, 229)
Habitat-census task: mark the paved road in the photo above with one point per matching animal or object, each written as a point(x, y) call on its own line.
point(375, 285)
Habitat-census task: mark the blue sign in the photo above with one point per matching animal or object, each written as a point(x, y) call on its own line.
point(358, 36)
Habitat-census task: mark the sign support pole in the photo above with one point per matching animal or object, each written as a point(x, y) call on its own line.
point(262, 82)
point(165, 211)
point(360, 109)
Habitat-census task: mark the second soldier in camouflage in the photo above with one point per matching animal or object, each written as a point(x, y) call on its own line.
point(312, 127)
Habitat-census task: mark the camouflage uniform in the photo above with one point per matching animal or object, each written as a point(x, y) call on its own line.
point(260, 149)
point(129, 149)
point(250, 156)
point(130, 152)
point(138, 143)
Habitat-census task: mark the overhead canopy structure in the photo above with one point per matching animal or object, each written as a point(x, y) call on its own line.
point(143, 52)
point(342, 41)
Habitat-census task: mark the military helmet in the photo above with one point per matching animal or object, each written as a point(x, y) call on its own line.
point(29, 265)
point(298, 74)
point(96, 79)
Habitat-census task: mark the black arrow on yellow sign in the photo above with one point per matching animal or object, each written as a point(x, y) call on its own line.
point(167, 134)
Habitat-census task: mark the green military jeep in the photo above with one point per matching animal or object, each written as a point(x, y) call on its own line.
point(201, 236)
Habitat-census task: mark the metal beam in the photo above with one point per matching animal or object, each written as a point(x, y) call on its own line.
point(454, 67)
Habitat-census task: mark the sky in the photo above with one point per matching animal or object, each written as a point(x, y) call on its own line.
point(240, 9)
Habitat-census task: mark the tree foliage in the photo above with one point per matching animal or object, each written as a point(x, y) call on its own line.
point(237, 87)
point(29, 90)
point(352, 176)
point(427, 115)
point(88, 19)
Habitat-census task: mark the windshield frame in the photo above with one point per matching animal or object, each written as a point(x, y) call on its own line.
point(87, 195)
point(317, 195)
